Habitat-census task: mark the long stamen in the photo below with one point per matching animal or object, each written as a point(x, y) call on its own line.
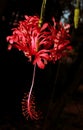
point(32, 83)
point(28, 103)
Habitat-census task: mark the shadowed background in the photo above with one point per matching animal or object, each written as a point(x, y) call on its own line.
point(61, 101)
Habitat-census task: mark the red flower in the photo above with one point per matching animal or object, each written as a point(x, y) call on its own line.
point(48, 43)
point(40, 45)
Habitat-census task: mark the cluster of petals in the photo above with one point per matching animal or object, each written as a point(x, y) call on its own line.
point(42, 44)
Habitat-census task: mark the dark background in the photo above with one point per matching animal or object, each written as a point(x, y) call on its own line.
point(58, 88)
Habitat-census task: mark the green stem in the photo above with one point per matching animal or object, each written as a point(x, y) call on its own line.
point(42, 12)
point(77, 3)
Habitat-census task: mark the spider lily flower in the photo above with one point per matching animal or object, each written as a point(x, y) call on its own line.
point(40, 44)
